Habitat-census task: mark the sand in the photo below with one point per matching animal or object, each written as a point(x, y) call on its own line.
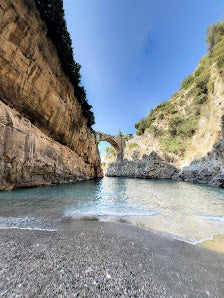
point(216, 244)
point(100, 259)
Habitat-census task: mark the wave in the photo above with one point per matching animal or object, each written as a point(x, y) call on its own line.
point(93, 213)
point(26, 223)
point(30, 229)
point(214, 218)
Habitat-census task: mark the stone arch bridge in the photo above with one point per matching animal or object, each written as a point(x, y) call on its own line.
point(117, 142)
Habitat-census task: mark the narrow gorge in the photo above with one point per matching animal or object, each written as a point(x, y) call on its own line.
point(45, 120)
point(65, 229)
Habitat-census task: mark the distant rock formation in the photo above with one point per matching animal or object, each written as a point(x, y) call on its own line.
point(209, 170)
point(44, 137)
point(151, 166)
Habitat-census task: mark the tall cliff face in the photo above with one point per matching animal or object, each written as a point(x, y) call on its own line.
point(188, 132)
point(43, 135)
point(184, 129)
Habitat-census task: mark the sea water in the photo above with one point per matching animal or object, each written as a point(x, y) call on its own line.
point(189, 212)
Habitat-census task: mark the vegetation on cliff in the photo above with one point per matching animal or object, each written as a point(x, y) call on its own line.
point(111, 153)
point(52, 13)
point(175, 121)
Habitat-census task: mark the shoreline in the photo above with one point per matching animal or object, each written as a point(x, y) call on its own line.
point(3, 190)
point(106, 259)
point(128, 220)
point(214, 244)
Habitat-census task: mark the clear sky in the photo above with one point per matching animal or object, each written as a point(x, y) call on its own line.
point(135, 53)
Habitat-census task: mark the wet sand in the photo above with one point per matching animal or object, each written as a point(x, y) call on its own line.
point(100, 259)
point(216, 244)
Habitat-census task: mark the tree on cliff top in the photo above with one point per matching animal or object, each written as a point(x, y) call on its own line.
point(120, 133)
point(52, 12)
point(215, 33)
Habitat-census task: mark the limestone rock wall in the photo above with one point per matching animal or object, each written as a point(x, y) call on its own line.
point(151, 166)
point(44, 136)
point(207, 170)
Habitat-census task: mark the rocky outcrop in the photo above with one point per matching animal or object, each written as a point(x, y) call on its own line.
point(151, 166)
point(209, 170)
point(29, 157)
point(43, 135)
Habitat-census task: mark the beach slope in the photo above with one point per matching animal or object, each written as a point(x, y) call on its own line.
point(93, 259)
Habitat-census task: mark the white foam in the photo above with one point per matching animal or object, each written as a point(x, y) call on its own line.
point(25, 223)
point(111, 214)
point(214, 218)
point(27, 228)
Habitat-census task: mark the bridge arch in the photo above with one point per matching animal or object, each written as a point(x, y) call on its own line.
point(116, 142)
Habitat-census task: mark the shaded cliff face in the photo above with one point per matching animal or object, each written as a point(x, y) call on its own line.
point(41, 122)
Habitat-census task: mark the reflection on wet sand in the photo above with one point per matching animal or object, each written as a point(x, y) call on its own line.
point(216, 244)
point(191, 229)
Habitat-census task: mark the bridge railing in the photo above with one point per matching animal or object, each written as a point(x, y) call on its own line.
point(104, 133)
point(108, 134)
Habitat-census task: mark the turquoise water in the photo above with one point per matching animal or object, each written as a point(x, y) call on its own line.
point(190, 212)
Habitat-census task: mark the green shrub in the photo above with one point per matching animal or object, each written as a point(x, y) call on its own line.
point(156, 131)
point(211, 86)
point(159, 112)
point(174, 95)
point(140, 126)
point(195, 110)
point(187, 82)
point(182, 126)
point(203, 66)
point(217, 49)
point(199, 91)
point(173, 145)
point(199, 71)
point(201, 99)
point(220, 62)
point(127, 137)
point(133, 146)
point(111, 152)
point(202, 83)
point(161, 116)
point(215, 33)
point(166, 107)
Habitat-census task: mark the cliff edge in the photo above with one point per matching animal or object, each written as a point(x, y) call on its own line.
point(44, 137)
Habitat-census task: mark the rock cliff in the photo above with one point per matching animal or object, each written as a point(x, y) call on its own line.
point(149, 167)
point(44, 137)
point(209, 169)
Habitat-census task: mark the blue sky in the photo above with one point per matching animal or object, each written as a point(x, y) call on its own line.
point(135, 53)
